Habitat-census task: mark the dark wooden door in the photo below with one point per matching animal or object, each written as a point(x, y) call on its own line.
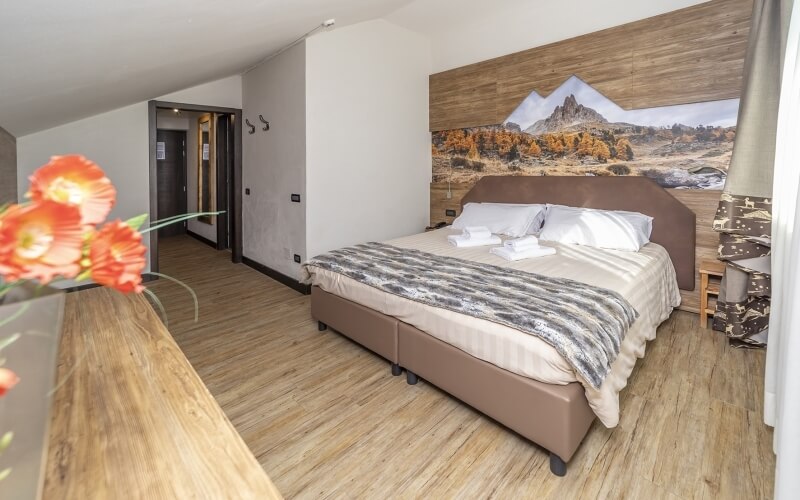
point(171, 179)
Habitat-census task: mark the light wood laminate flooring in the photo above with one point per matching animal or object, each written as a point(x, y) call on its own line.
point(326, 418)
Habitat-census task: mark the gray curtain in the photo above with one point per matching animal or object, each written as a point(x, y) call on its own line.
point(744, 215)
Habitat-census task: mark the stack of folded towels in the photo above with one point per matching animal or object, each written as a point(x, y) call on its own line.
point(474, 236)
point(522, 248)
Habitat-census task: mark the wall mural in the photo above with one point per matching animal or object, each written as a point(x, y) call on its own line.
point(578, 131)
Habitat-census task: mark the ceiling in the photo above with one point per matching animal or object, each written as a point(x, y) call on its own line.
point(62, 60)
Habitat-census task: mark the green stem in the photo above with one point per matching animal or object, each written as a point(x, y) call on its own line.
point(179, 219)
point(187, 287)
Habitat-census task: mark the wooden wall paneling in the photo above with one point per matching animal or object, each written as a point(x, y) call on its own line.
point(689, 55)
point(702, 202)
point(602, 59)
point(468, 93)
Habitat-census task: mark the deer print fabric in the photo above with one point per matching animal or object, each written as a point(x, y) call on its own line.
point(744, 214)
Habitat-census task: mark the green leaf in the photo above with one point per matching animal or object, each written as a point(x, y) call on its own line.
point(5, 473)
point(84, 275)
point(9, 340)
point(5, 441)
point(136, 222)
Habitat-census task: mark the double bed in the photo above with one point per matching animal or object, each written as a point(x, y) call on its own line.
point(516, 378)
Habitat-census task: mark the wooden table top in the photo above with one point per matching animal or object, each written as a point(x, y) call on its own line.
point(134, 420)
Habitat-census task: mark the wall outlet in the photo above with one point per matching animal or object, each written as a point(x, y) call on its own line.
point(297, 258)
point(450, 213)
point(295, 198)
point(247, 191)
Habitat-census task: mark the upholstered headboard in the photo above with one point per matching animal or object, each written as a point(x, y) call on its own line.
point(673, 222)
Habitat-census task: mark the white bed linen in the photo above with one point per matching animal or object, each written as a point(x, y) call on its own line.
point(646, 279)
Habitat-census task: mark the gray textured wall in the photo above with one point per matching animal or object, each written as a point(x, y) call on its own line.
point(8, 167)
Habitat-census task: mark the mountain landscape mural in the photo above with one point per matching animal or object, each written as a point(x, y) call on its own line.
point(576, 130)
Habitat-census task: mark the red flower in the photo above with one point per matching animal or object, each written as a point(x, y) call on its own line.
point(117, 257)
point(40, 241)
point(74, 180)
point(8, 380)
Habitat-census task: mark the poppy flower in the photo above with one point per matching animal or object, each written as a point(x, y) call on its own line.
point(74, 180)
point(40, 241)
point(8, 380)
point(117, 257)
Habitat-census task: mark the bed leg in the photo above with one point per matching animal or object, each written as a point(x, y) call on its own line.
point(411, 378)
point(396, 371)
point(557, 466)
point(321, 326)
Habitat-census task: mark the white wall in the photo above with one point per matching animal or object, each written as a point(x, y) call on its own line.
point(274, 162)
point(467, 31)
point(117, 141)
point(367, 144)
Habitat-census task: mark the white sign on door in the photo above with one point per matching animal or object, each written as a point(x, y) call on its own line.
point(161, 151)
point(205, 151)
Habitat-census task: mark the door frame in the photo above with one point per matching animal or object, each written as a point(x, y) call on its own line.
point(235, 198)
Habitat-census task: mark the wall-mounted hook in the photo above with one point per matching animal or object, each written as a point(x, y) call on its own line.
point(265, 122)
point(252, 127)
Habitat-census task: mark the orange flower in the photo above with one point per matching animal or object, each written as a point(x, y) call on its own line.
point(74, 180)
point(40, 241)
point(8, 380)
point(117, 257)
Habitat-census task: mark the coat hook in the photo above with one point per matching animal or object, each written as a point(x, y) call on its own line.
point(265, 122)
point(252, 127)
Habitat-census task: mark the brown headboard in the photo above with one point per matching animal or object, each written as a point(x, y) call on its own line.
point(673, 222)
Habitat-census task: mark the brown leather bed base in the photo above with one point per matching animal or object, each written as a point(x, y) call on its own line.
point(556, 417)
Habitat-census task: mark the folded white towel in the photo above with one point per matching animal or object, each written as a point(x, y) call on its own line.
point(460, 241)
point(476, 233)
point(523, 243)
point(529, 253)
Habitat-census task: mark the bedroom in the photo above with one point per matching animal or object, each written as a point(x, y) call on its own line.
point(645, 145)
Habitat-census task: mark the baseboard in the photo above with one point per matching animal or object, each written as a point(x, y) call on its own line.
point(277, 276)
point(202, 239)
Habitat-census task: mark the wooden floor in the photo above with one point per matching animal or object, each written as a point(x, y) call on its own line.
point(326, 418)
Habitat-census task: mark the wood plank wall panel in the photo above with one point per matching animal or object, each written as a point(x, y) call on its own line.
point(702, 202)
point(690, 55)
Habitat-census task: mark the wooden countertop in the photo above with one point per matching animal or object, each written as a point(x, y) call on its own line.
point(134, 420)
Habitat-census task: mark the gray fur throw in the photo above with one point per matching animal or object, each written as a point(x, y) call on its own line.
point(584, 323)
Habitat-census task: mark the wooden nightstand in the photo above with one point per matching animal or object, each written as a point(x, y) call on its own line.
point(710, 277)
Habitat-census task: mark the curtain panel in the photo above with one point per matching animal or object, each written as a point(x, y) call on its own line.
point(744, 214)
point(782, 372)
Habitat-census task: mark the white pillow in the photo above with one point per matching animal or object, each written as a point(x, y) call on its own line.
point(511, 220)
point(612, 229)
point(537, 223)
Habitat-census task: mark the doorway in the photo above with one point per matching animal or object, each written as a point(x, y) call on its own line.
point(171, 182)
point(195, 166)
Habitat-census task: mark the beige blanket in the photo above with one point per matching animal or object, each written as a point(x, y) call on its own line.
point(646, 279)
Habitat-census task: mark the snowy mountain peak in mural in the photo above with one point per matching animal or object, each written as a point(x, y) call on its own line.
point(576, 130)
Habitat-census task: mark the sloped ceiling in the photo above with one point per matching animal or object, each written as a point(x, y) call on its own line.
point(62, 60)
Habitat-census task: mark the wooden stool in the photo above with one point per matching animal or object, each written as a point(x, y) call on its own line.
point(710, 276)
